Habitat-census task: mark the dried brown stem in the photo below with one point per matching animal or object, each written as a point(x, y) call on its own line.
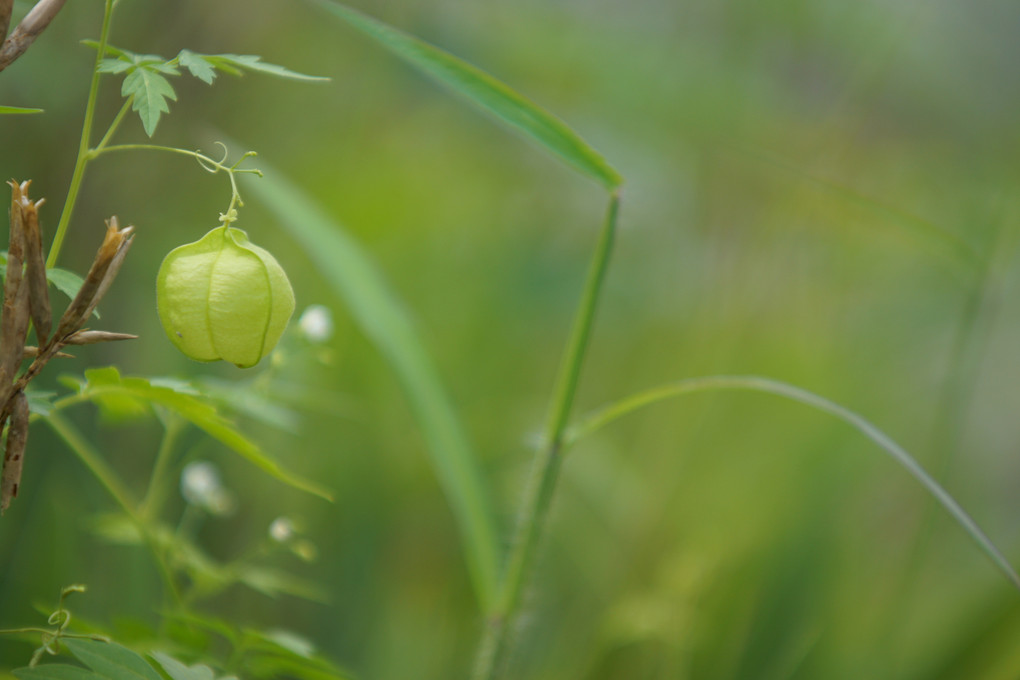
point(14, 456)
point(14, 322)
point(35, 271)
point(26, 298)
point(6, 7)
point(97, 281)
point(32, 352)
point(87, 337)
point(22, 37)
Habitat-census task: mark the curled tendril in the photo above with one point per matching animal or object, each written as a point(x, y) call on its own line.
point(213, 166)
point(206, 165)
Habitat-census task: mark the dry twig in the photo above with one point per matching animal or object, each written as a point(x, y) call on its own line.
point(22, 37)
point(28, 298)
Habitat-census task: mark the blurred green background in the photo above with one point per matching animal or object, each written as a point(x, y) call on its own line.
point(826, 193)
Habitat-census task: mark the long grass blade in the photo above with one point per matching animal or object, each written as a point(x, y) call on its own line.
point(355, 278)
point(608, 414)
point(485, 91)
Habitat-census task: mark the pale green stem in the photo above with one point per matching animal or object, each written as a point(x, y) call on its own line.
point(156, 493)
point(83, 146)
point(756, 384)
point(108, 478)
point(93, 461)
point(110, 131)
point(496, 640)
point(217, 166)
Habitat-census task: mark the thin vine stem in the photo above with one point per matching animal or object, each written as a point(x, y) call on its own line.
point(502, 620)
point(207, 163)
point(156, 493)
point(110, 131)
point(83, 146)
point(80, 446)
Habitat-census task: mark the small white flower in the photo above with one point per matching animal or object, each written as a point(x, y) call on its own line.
point(316, 323)
point(281, 530)
point(200, 486)
point(199, 481)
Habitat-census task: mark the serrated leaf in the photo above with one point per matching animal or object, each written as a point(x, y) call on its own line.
point(197, 65)
point(106, 382)
point(110, 660)
point(286, 640)
point(485, 91)
point(273, 666)
point(273, 583)
point(159, 64)
point(150, 91)
point(40, 402)
point(115, 65)
point(178, 671)
point(243, 398)
point(231, 63)
point(18, 110)
point(55, 671)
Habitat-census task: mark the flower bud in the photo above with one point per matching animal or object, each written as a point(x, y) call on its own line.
point(223, 298)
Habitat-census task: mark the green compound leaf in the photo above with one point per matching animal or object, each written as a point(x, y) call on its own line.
point(204, 66)
point(106, 384)
point(178, 671)
point(490, 94)
point(17, 110)
point(55, 671)
point(197, 65)
point(110, 660)
point(150, 91)
point(115, 66)
point(353, 276)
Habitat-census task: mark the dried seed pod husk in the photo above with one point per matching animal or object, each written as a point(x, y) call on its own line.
point(87, 337)
point(14, 320)
point(104, 268)
point(35, 271)
point(31, 352)
point(14, 456)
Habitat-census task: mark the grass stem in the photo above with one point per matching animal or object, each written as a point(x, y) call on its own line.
point(496, 640)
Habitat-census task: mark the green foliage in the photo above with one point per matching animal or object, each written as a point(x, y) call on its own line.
point(145, 76)
point(111, 661)
point(353, 276)
point(17, 110)
point(178, 671)
point(108, 389)
point(205, 66)
point(56, 671)
point(148, 91)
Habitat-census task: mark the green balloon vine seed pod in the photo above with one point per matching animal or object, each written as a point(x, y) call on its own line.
point(222, 297)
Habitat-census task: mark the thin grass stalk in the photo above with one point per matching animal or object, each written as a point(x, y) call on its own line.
point(502, 621)
point(752, 383)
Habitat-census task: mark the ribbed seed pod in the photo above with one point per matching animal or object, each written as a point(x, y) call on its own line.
point(222, 297)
